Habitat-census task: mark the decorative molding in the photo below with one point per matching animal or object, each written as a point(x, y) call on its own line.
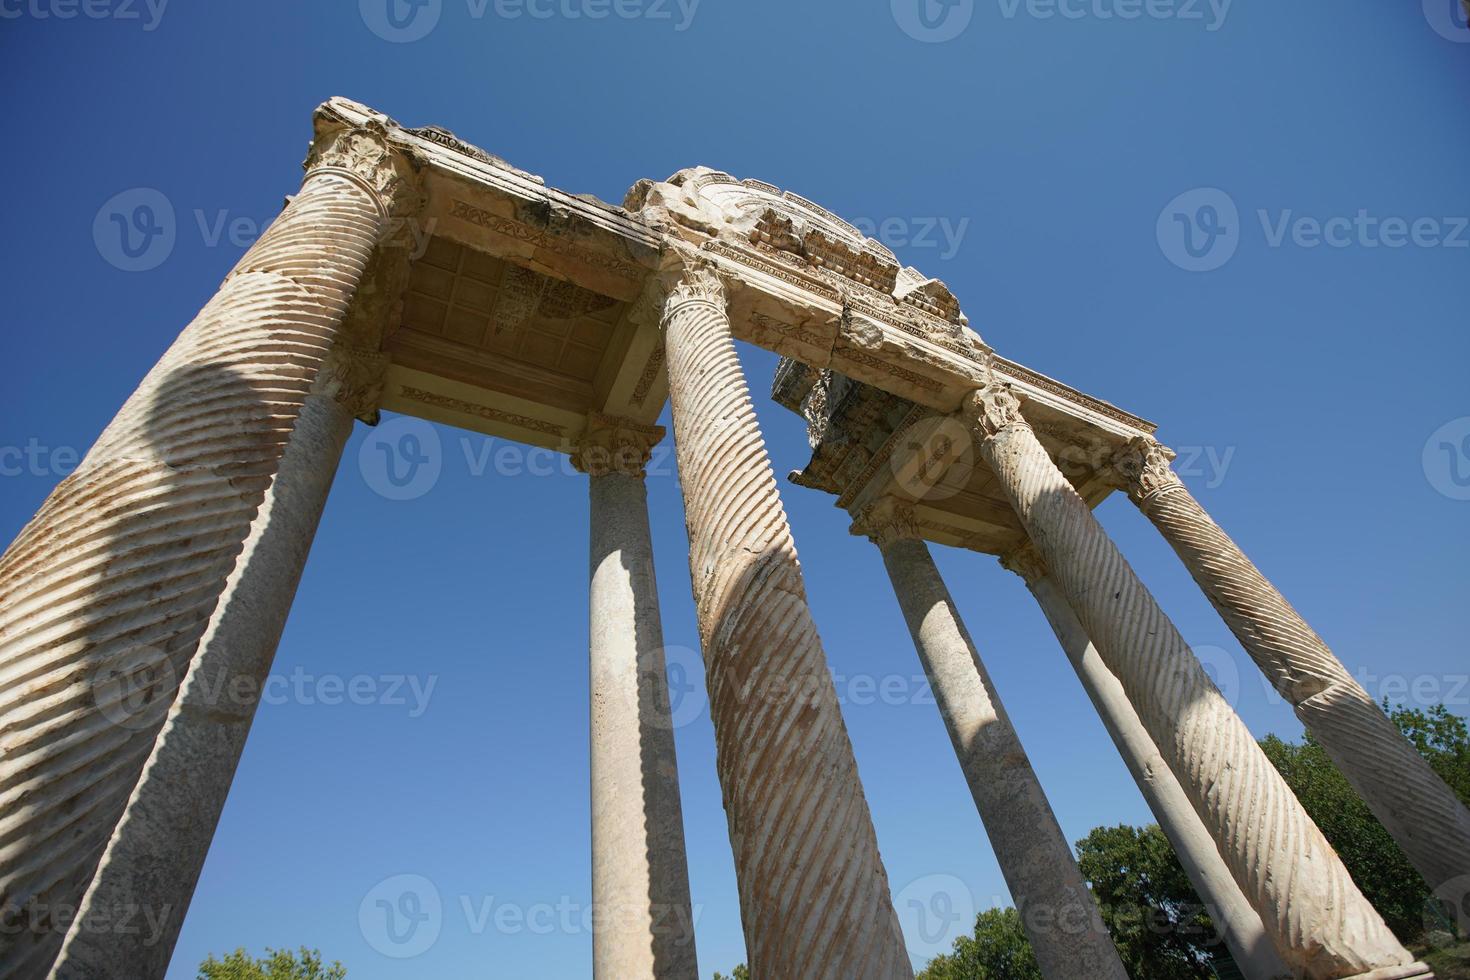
point(992, 409)
point(886, 521)
point(648, 376)
point(611, 444)
point(695, 285)
point(366, 155)
point(1142, 469)
point(765, 322)
point(480, 411)
point(354, 377)
point(887, 367)
point(1024, 374)
point(465, 211)
point(1026, 562)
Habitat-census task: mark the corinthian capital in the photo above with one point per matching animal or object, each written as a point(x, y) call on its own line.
point(1142, 469)
point(692, 284)
point(615, 445)
point(990, 409)
point(886, 521)
point(1026, 562)
point(354, 377)
point(367, 154)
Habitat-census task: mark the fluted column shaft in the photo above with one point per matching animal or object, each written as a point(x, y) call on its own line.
point(1316, 916)
point(1422, 813)
point(152, 863)
point(1243, 932)
point(814, 897)
point(106, 593)
point(640, 874)
point(1070, 941)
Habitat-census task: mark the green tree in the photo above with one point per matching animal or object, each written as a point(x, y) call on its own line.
point(741, 972)
point(278, 964)
point(1156, 918)
point(1444, 741)
point(999, 950)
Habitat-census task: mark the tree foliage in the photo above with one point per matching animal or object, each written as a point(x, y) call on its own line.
point(998, 950)
point(741, 972)
point(278, 964)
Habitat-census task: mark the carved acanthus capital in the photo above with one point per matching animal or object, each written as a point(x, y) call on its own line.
point(368, 155)
point(615, 445)
point(1026, 562)
point(1142, 469)
point(354, 377)
point(692, 283)
point(991, 409)
point(886, 521)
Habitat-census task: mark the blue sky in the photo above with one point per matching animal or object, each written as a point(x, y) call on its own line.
point(1035, 161)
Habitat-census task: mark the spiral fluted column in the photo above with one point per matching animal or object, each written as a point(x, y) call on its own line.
point(106, 593)
point(1242, 930)
point(1319, 921)
point(640, 873)
point(1421, 812)
point(814, 898)
point(1070, 940)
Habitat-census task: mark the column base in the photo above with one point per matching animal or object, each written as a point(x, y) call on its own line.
point(1414, 971)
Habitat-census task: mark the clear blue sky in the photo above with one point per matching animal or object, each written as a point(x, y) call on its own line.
point(1055, 143)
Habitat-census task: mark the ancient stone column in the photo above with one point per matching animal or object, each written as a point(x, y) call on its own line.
point(1421, 812)
point(814, 898)
point(1070, 940)
point(644, 925)
point(1232, 913)
point(150, 868)
point(106, 593)
point(1316, 916)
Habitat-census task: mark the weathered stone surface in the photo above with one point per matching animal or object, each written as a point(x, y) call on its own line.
point(1068, 934)
point(1422, 813)
point(1245, 936)
point(640, 876)
point(1316, 916)
point(814, 898)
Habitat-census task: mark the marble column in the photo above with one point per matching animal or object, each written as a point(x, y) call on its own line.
point(814, 897)
point(147, 874)
point(640, 875)
point(1070, 940)
point(1317, 918)
point(107, 592)
point(1421, 812)
point(1243, 933)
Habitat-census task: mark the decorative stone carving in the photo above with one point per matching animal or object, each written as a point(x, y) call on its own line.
point(615, 445)
point(368, 155)
point(991, 409)
point(1026, 562)
point(1142, 469)
point(355, 378)
point(886, 521)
